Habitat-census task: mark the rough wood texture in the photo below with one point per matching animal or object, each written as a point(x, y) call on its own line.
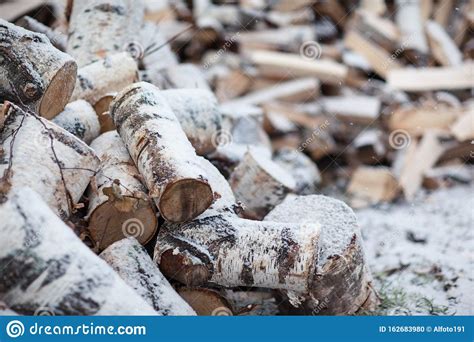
point(164, 156)
point(39, 154)
point(132, 263)
point(260, 184)
point(45, 267)
point(206, 302)
point(118, 202)
point(33, 71)
point(80, 119)
point(99, 28)
point(105, 76)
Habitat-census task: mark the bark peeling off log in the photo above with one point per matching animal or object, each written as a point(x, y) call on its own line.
point(130, 260)
point(99, 28)
point(198, 114)
point(105, 76)
point(39, 154)
point(343, 280)
point(118, 202)
point(80, 119)
point(33, 71)
point(164, 156)
point(46, 267)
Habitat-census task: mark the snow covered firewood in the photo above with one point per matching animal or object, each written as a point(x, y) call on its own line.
point(79, 118)
point(33, 71)
point(39, 154)
point(58, 39)
point(184, 75)
point(99, 28)
point(342, 281)
point(303, 169)
point(105, 76)
point(199, 116)
point(132, 263)
point(118, 202)
point(260, 184)
point(157, 54)
point(164, 156)
point(45, 266)
point(206, 302)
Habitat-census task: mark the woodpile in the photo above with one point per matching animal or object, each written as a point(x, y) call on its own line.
point(172, 158)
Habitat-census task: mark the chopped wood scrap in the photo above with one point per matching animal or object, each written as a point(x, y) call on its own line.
point(463, 127)
point(360, 109)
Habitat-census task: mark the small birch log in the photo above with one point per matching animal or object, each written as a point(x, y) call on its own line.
point(39, 154)
point(132, 263)
point(342, 281)
point(183, 75)
point(58, 39)
point(199, 116)
point(33, 71)
point(162, 153)
point(105, 76)
point(98, 28)
point(260, 184)
point(206, 302)
point(45, 267)
point(303, 169)
point(80, 119)
point(118, 202)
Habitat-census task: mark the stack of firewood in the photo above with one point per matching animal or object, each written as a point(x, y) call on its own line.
point(167, 157)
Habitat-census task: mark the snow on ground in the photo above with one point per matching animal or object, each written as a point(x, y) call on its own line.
point(421, 253)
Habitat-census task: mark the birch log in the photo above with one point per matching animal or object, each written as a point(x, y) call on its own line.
point(58, 39)
point(183, 75)
point(260, 184)
point(199, 116)
point(132, 263)
point(206, 302)
point(80, 119)
point(105, 76)
point(39, 154)
point(33, 71)
point(342, 283)
point(99, 28)
point(46, 268)
point(118, 202)
point(162, 153)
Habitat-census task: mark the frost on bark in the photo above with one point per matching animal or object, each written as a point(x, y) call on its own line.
point(33, 72)
point(164, 156)
point(132, 263)
point(43, 156)
point(46, 268)
point(99, 28)
point(118, 202)
point(108, 75)
point(79, 118)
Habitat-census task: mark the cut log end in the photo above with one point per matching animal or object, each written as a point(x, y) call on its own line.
point(185, 199)
point(176, 266)
point(59, 90)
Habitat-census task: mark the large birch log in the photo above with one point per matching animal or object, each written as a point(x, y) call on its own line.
point(342, 280)
point(33, 71)
point(118, 202)
point(79, 118)
point(39, 154)
point(199, 116)
point(45, 267)
point(98, 28)
point(132, 263)
point(105, 76)
point(260, 184)
point(162, 153)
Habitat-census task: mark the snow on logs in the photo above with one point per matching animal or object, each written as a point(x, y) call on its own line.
point(46, 268)
point(118, 202)
point(33, 72)
point(99, 28)
point(43, 156)
point(132, 263)
point(164, 156)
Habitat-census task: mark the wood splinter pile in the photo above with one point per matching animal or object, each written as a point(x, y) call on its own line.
point(133, 184)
